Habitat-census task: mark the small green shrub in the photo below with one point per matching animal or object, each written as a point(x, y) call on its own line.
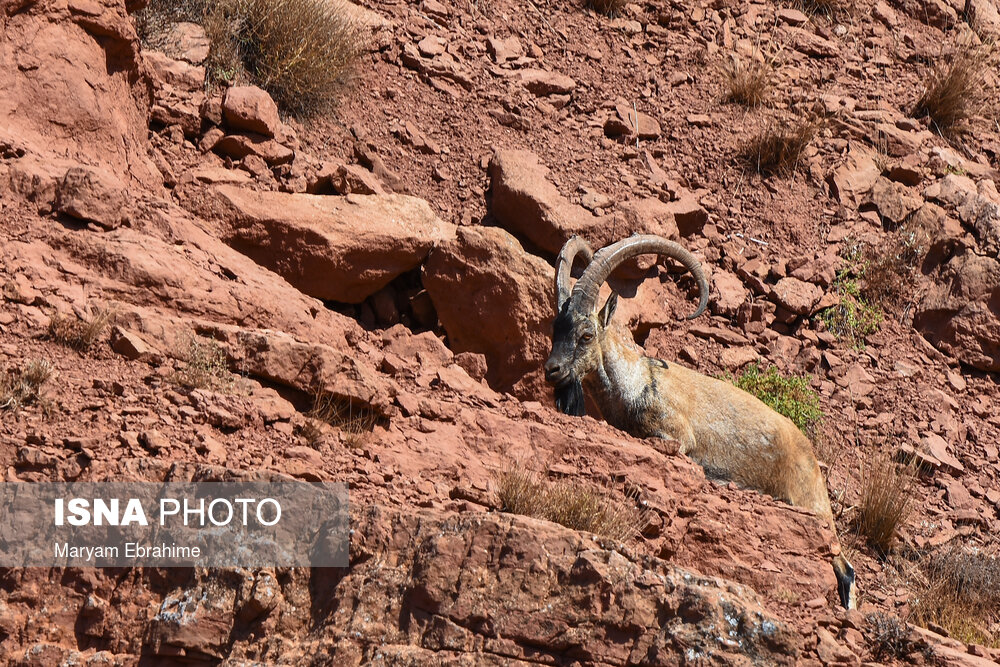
point(23, 386)
point(790, 396)
point(576, 506)
point(854, 318)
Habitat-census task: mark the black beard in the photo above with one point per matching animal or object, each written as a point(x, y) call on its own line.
point(569, 398)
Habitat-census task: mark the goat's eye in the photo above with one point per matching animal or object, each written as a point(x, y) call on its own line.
point(586, 338)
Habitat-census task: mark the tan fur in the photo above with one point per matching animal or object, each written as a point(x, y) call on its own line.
point(729, 432)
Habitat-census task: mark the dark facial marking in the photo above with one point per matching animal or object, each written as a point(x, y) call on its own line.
point(569, 398)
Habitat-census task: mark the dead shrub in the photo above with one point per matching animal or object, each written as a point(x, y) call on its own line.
point(300, 51)
point(778, 149)
point(354, 423)
point(77, 333)
point(887, 493)
point(23, 386)
point(956, 88)
point(610, 8)
point(153, 22)
point(889, 270)
point(205, 366)
point(961, 593)
point(830, 8)
point(576, 506)
point(889, 638)
point(748, 80)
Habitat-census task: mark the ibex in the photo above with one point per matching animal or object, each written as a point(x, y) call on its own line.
point(730, 433)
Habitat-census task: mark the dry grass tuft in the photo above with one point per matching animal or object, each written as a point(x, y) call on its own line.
point(748, 81)
point(355, 424)
point(956, 88)
point(778, 150)
point(576, 506)
point(300, 51)
point(961, 593)
point(153, 22)
point(887, 493)
point(77, 333)
point(831, 8)
point(610, 8)
point(24, 386)
point(205, 366)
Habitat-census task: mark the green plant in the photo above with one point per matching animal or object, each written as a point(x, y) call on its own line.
point(854, 318)
point(301, 51)
point(576, 506)
point(205, 366)
point(956, 88)
point(23, 386)
point(355, 424)
point(961, 593)
point(77, 333)
point(887, 494)
point(777, 149)
point(791, 396)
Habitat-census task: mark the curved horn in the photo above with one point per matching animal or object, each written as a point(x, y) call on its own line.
point(564, 266)
point(607, 260)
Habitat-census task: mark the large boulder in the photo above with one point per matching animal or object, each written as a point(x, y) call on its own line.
point(961, 314)
point(494, 298)
point(336, 248)
point(526, 203)
point(74, 85)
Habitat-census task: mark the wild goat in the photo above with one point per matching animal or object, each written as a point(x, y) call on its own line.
point(730, 433)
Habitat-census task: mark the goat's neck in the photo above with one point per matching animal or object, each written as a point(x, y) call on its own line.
point(619, 385)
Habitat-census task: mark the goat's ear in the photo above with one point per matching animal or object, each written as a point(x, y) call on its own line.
point(609, 309)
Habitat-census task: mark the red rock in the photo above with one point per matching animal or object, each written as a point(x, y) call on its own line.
point(938, 448)
point(730, 293)
point(628, 122)
point(252, 109)
point(176, 73)
point(689, 215)
point(895, 202)
point(734, 358)
point(307, 238)
point(238, 146)
point(852, 181)
point(188, 42)
point(984, 16)
point(796, 295)
point(495, 299)
point(958, 314)
point(502, 50)
point(541, 82)
point(92, 195)
point(526, 203)
point(792, 16)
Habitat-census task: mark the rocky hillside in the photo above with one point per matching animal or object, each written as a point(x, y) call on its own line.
point(196, 285)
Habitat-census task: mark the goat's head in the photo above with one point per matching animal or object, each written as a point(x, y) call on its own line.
point(579, 329)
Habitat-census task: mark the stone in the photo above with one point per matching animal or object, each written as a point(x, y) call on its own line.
point(734, 358)
point(938, 447)
point(525, 203)
point(238, 146)
point(984, 18)
point(730, 293)
point(494, 299)
point(188, 42)
point(129, 344)
point(91, 195)
point(796, 295)
point(251, 109)
point(337, 248)
point(792, 16)
point(502, 50)
point(894, 202)
point(177, 73)
point(629, 123)
point(959, 315)
point(542, 82)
